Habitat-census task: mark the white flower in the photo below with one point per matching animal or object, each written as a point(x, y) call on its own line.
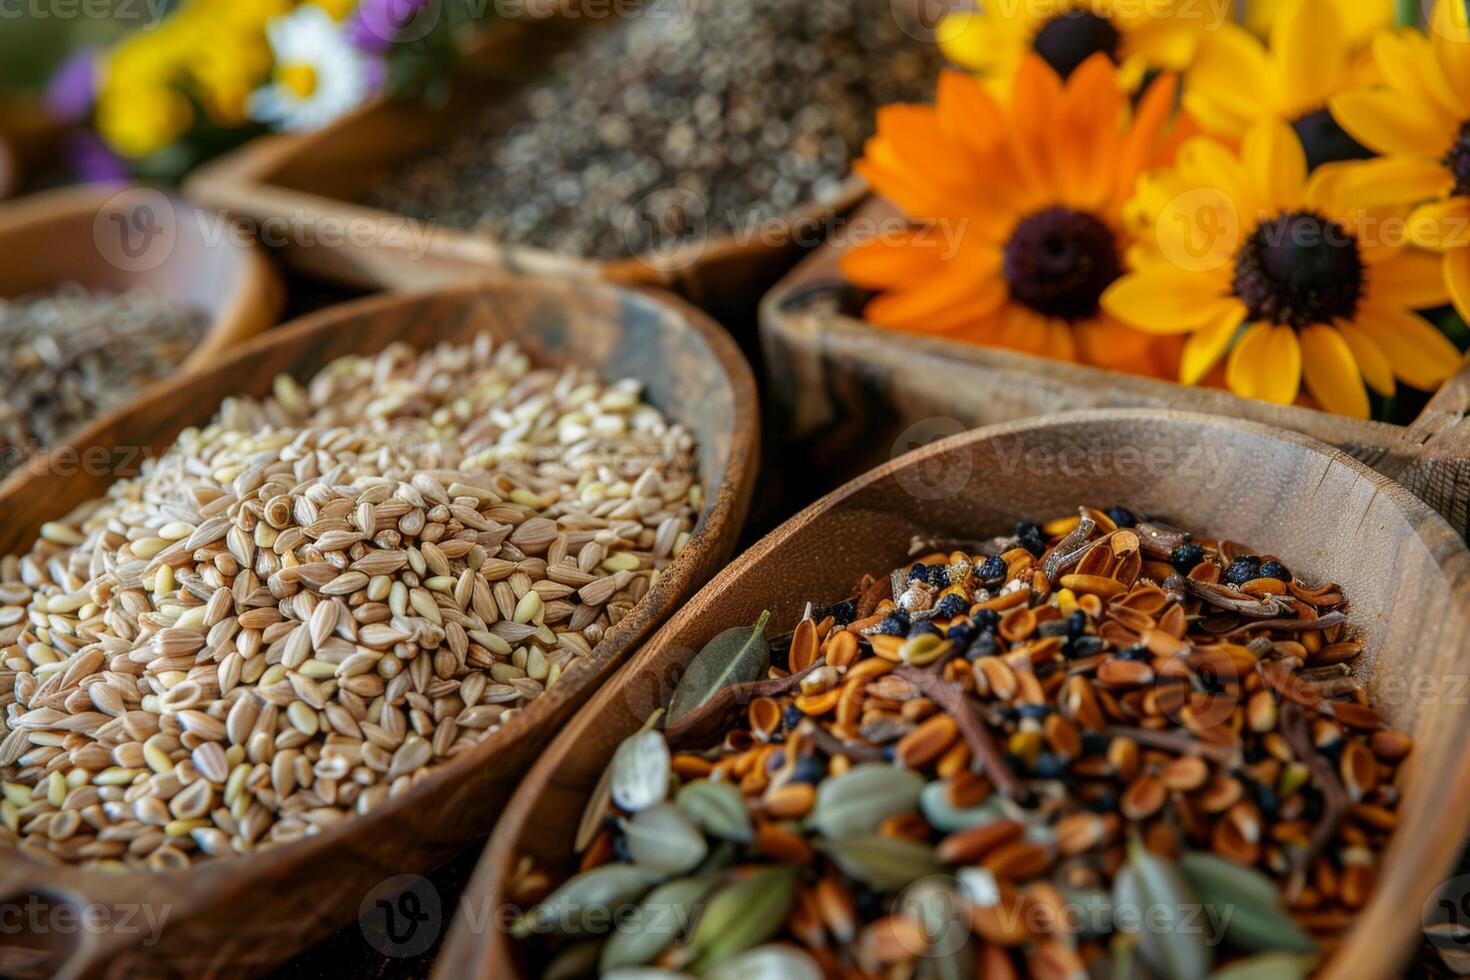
point(319, 74)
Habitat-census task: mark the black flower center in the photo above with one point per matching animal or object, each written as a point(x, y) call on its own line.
point(1059, 262)
point(1327, 142)
point(1458, 160)
point(1300, 269)
point(1069, 39)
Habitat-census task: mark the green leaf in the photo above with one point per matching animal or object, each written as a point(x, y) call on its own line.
point(857, 801)
point(742, 915)
point(719, 808)
point(661, 919)
point(661, 839)
point(736, 656)
point(882, 863)
point(587, 903)
point(1170, 925)
point(1248, 903)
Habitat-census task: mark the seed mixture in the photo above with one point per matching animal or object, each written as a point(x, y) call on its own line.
point(742, 110)
point(1100, 744)
point(299, 609)
point(70, 356)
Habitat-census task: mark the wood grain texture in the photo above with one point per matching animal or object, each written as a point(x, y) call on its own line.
point(187, 257)
point(241, 916)
point(1405, 571)
point(849, 395)
point(313, 181)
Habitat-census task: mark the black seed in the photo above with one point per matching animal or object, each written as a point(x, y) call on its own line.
point(992, 569)
point(918, 573)
point(961, 634)
point(919, 629)
point(951, 606)
point(809, 769)
point(1138, 654)
point(986, 618)
point(983, 645)
point(1084, 646)
point(1122, 516)
point(1276, 570)
point(792, 716)
point(939, 576)
point(843, 612)
point(895, 624)
point(1077, 624)
point(1031, 538)
point(1186, 556)
point(1049, 766)
point(1037, 711)
point(1243, 569)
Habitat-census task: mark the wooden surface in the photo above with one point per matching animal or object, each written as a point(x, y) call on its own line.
point(241, 916)
point(1406, 572)
point(314, 181)
point(76, 234)
point(847, 396)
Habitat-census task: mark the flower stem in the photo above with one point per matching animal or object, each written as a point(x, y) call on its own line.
point(1408, 13)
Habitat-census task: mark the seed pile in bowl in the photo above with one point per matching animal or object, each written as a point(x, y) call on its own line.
point(1097, 745)
point(301, 608)
point(748, 109)
point(70, 356)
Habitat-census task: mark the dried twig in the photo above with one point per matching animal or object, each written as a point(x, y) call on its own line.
point(1334, 797)
point(1070, 549)
point(1291, 625)
point(1180, 743)
point(974, 732)
point(1223, 598)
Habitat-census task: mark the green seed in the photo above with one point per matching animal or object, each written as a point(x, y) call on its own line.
point(857, 801)
point(718, 808)
point(742, 915)
point(884, 863)
point(662, 840)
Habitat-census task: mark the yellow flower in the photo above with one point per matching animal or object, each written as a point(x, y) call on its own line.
point(1015, 213)
point(1419, 119)
point(1139, 35)
point(1360, 20)
point(141, 119)
point(1253, 257)
point(1236, 80)
point(337, 9)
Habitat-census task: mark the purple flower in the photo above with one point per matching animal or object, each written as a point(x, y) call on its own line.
point(377, 23)
point(73, 88)
point(91, 160)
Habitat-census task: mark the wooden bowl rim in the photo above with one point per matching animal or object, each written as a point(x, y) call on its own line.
point(721, 505)
point(256, 292)
point(1438, 539)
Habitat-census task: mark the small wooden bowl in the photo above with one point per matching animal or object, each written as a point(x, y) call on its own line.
point(240, 916)
point(120, 237)
point(1405, 571)
point(845, 393)
point(314, 181)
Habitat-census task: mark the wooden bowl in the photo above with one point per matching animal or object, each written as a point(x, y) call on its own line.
point(315, 181)
point(244, 915)
point(30, 143)
point(119, 237)
point(1405, 571)
point(843, 392)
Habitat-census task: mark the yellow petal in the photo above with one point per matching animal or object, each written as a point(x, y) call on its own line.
point(1421, 356)
point(1266, 363)
point(1450, 33)
point(1204, 348)
point(983, 42)
point(1411, 280)
point(1168, 302)
point(1309, 52)
point(1408, 64)
point(1441, 225)
point(1380, 121)
point(1457, 277)
point(1231, 73)
point(1370, 359)
point(1393, 181)
point(1331, 372)
point(1277, 165)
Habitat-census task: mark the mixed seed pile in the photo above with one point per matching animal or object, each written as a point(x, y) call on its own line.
point(299, 609)
point(740, 111)
point(1097, 745)
point(70, 356)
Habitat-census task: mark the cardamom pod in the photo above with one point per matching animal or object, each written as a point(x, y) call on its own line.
point(736, 656)
point(597, 803)
point(947, 819)
point(662, 840)
point(587, 903)
point(857, 801)
point(662, 918)
point(1248, 903)
point(742, 915)
point(1152, 897)
point(774, 962)
point(883, 863)
point(640, 771)
point(718, 808)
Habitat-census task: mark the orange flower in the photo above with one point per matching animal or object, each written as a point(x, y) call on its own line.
point(1016, 226)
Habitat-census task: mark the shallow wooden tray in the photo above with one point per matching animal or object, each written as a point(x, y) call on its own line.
point(116, 237)
point(302, 186)
point(847, 395)
point(1404, 568)
point(240, 916)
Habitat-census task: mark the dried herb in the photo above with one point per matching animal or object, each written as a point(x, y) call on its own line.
point(1172, 940)
point(659, 921)
point(742, 915)
point(857, 801)
point(1257, 919)
point(886, 864)
point(716, 807)
point(736, 656)
point(640, 771)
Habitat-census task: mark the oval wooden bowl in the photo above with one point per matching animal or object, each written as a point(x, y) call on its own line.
point(244, 915)
point(119, 237)
point(1404, 569)
point(842, 391)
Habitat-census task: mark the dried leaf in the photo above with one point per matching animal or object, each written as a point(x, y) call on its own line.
point(742, 915)
point(858, 800)
point(661, 839)
point(660, 920)
point(600, 892)
point(736, 656)
point(1172, 940)
point(716, 807)
point(883, 863)
point(1248, 902)
point(774, 962)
